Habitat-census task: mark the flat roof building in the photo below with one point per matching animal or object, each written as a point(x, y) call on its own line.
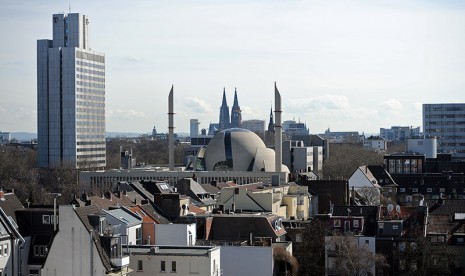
point(70, 96)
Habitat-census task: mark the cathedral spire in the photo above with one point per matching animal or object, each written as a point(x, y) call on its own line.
point(224, 122)
point(236, 117)
point(271, 123)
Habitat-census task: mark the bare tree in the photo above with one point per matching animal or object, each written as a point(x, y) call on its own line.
point(310, 251)
point(346, 255)
point(344, 159)
point(371, 195)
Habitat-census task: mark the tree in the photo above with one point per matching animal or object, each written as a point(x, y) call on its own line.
point(371, 195)
point(310, 251)
point(347, 255)
point(344, 159)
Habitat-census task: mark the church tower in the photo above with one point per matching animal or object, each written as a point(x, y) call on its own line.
point(271, 123)
point(236, 117)
point(224, 122)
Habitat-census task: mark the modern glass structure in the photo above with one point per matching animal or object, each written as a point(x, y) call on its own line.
point(70, 96)
point(447, 123)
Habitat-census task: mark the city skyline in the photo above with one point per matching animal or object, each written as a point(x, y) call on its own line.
point(339, 65)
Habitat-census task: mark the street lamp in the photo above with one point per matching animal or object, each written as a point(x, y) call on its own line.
point(55, 195)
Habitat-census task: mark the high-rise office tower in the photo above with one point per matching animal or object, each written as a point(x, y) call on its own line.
point(194, 127)
point(236, 116)
point(447, 123)
point(224, 122)
point(70, 96)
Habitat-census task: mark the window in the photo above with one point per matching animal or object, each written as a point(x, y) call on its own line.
point(140, 266)
point(395, 227)
point(402, 190)
point(337, 223)
point(5, 249)
point(415, 190)
point(46, 219)
point(298, 237)
point(429, 190)
point(355, 222)
point(163, 266)
point(173, 266)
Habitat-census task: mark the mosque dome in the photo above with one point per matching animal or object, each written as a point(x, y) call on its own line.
point(238, 149)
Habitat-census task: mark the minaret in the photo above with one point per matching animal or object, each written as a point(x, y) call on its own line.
point(224, 113)
point(278, 138)
point(171, 130)
point(236, 117)
point(271, 123)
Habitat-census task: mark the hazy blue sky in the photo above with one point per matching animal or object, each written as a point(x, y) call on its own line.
point(347, 65)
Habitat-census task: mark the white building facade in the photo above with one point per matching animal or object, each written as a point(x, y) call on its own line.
point(175, 234)
point(70, 96)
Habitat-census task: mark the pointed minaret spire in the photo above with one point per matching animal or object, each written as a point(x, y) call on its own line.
point(236, 117)
point(278, 130)
point(171, 129)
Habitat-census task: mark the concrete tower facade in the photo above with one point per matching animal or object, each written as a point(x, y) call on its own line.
point(446, 121)
point(194, 127)
point(70, 96)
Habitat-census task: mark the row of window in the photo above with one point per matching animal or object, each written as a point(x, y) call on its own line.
point(445, 116)
point(91, 149)
point(91, 143)
point(430, 190)
point(89, 97)
point(90, 84)
point(446, 130)
point(84, 63)
point(90, 56)
point(405, 166)
point(90, 136)
point(91, 156)
point(337, 223)
point(85, 77)
point(445, 108)
point(87, 103)
point(93, 91)
point(91, 129)
point(90, 71)
point(40, 250)
point(91, 110)
point(90, 117)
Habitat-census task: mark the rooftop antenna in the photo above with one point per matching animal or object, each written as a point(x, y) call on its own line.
point(69, 4)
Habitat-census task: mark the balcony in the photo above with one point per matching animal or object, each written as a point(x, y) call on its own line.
point(119, 262)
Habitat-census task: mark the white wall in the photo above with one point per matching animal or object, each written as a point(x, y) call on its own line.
point(246, 260)
point(185, 264)
point(72, 251)
point(175, 234)
point(359, 180)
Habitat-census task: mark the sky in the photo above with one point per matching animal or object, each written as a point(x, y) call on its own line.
point(343, 65)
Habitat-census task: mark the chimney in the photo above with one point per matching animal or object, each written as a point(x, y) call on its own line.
point(171, 130)
point(278, 140)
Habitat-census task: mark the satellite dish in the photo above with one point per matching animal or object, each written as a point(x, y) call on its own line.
point(390, 207)
point(398, 209)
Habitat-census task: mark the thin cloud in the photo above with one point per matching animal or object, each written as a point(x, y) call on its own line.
point(198, 105)
point(124, 114)
point(333, 102)
point(392, 105)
